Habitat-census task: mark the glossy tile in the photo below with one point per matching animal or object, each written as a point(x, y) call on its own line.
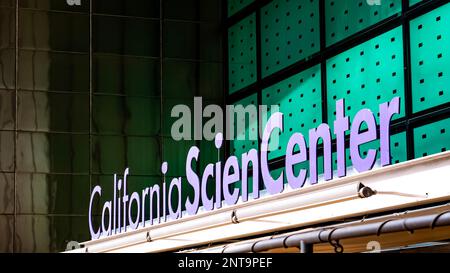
point(7, 151)
point(125, 75)
point(7, 232)
point(7, 110)
point(113, 154)
point(126, 115)
point(53, 112)
point(126, 36)
point(7, 69)
point(52, 194)
point(6, 193)
point(53, 71)
point(7, 26)
point(43, 234)
point(52, 153)
point(54, 31)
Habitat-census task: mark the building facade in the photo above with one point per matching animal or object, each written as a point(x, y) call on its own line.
point(88, 89)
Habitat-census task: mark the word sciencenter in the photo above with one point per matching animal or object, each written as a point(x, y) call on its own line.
point(117, 215)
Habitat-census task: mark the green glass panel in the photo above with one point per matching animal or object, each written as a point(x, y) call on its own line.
point(242, 54)
point(431, 139)
point(345, 18)
point(290, 32)
point(235, 6)
point(430, 62)
point(52, 153)
point(299, 98)
point(367, 75)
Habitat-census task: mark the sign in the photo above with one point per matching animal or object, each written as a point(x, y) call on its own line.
point(117, 214)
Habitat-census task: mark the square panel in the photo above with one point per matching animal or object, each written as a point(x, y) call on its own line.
point(58, 31)
point(345, 18)
point(53, 112)
point(125, 75)
point(131, 36)
point(242, 54)
point(299, 98)
point(430, 61)
point(52, 194)
point(290, 32)
point(367, 75)
point(432, 138)
point(53, 71)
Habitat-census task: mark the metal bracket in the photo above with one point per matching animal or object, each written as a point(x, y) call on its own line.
point(234, 218)
point(365, 192)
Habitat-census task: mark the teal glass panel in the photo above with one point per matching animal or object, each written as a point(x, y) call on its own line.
point(299, 98)
point(432, 139)
point(242, 54)
point(290, 32)
point(430, 61)
point(345, 18)
point(367, 75)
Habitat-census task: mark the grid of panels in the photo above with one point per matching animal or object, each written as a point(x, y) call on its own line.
point(242, 54)
point(299, 98)
point(367, 75)
point(345, 18)
point(90, 106)
point(373, 71)
point(430, 61)
point(290, 32)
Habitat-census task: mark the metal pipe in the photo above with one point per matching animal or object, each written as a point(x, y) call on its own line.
point(306, 248)
point(346, 232)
